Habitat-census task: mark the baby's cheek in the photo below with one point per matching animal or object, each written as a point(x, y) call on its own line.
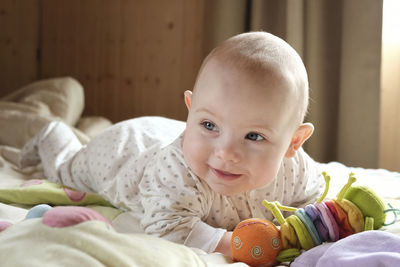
point(189, 151)
point(264, 173)
point(196, 156)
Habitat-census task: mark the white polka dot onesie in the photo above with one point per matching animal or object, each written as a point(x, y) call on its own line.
point(138, 166)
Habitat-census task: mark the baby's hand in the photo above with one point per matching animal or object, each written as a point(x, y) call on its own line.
point(224, 245)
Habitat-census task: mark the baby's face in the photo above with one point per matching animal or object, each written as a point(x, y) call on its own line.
point(238, 129)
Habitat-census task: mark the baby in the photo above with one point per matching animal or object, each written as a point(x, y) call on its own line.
point(193, 183)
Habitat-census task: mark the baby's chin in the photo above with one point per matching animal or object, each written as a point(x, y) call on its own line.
point(229, 191)
point(236, 188)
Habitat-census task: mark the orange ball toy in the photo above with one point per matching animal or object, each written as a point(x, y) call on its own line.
point(256, 242)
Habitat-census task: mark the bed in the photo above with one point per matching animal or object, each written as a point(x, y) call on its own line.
point(94, 233)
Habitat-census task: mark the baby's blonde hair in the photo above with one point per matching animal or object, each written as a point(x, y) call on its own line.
point(258, 52)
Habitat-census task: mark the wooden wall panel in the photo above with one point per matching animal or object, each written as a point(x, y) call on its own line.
point(133, 57)
point(18, 43)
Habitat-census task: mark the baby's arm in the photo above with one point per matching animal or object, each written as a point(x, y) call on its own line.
point(176, 206)
point(179, 219)
point(224, 245)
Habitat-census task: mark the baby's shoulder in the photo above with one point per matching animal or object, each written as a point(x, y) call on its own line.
point(168, 160)
point(172, 152)
point(299, 160)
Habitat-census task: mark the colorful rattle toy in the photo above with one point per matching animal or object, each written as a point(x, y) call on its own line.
point(258, 242)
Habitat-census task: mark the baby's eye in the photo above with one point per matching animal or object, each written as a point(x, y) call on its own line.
point(209, 126)
point(254, 137)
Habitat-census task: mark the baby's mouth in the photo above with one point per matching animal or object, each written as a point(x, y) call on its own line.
point(225, 175)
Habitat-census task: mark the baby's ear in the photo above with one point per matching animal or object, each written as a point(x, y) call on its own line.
point(300, 136)
point(188, 98)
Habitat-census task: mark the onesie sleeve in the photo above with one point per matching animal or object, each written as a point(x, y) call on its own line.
point(176, 204)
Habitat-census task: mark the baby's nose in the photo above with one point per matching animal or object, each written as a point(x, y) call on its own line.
point(227, 152)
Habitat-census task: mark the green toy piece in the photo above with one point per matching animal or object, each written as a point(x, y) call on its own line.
point(370, 204)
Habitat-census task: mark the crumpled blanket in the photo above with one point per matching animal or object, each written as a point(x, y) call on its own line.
point(367, 249)
point(25, 111)
point(37, 191)
point(91, 243)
